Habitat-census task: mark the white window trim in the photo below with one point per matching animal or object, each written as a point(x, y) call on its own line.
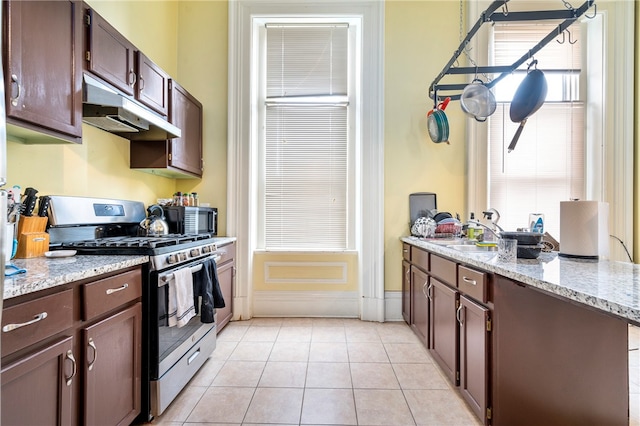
point(241, 192)
point(610, 135)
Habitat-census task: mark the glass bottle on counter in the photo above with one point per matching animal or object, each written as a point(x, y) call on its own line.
point(196, 200)
point(185, 199)
point(177, 199)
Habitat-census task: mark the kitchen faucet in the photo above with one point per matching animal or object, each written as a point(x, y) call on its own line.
point(488, 214)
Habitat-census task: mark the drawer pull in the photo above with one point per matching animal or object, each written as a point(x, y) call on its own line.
point(74, 369)
point(95, 353)
point(115, 290)
point(10, 327)
point(193, 356)
point(469, 281)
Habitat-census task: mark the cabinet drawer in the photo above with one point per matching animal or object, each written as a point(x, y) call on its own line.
point(104, 295)
point(444, 269)
point(28, 323)
point(420, 258)
point(473, 283)
point(226, 253)
point(406, 252)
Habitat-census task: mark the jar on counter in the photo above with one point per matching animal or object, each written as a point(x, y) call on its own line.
point(177, 199)
point(191, 200)
point(185, 199)
point(196, 200)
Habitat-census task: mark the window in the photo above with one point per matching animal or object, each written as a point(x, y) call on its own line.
point(306, 142)
point(548, 164)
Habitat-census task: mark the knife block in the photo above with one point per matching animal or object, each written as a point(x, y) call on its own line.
point(33, 241)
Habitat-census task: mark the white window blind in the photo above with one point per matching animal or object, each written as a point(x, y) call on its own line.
point(547, 165)
point(306, 137)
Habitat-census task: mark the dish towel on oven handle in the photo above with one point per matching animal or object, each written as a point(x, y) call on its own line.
point(181, 308)
point(206, 285)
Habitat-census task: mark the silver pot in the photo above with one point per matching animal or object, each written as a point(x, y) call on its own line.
point(155, 224)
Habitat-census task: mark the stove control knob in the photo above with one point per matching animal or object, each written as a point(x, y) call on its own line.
point(206, 249)
point(194, 252)
point(183, 256)
point(172, 258)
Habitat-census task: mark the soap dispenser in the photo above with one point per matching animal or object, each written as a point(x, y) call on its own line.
point(473, 229)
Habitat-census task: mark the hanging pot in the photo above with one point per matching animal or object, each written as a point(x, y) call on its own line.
point(437, 123)
point(477, 100)
point(528, 99)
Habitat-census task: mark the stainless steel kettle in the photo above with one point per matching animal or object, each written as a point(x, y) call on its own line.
point(155, 224)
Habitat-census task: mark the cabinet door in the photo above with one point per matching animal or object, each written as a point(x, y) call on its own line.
point(420, 306)
point(444, 327)
point(43, 66)
point(186, 113)
point(112, 368)
point(406, 291)
point(474, 338)
point(153, 85)
point(226, 276)
point(36, 390)
point(110, 56)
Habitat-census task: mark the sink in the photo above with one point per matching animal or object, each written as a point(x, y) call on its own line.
point(473, 248)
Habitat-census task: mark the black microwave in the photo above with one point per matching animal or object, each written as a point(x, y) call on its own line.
point(191, 220)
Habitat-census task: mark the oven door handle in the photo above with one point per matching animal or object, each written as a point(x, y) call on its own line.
point(165, 278)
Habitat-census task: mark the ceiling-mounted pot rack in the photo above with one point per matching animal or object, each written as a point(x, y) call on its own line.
point(492, 14)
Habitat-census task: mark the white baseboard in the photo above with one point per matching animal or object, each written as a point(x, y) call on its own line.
point(335, 304)
point(393, 306)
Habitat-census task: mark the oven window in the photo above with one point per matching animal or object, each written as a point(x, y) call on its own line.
point(170, 338)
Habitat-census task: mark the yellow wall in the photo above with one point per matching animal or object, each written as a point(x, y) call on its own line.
point(420, 37)
point(100, 165)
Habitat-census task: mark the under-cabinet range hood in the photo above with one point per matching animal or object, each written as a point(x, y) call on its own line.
point(109, 110)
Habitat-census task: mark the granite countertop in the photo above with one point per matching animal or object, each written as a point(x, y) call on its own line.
point(609, 286)
point(44, 272)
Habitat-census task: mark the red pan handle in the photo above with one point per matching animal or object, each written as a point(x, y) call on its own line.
point(444, 103)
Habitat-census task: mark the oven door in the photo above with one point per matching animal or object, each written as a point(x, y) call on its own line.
point(176, 353)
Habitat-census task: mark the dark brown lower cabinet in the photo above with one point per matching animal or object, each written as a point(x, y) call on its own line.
point(406, 292)
point(443, 330)
point(475, 326)
point(555, 362)
point(420, 309)
point(45, 376)
point(113, 370)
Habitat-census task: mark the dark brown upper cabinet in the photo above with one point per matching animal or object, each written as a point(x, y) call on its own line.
point(109, 54)
point(177, 158)
point(43, 70)
point(152, 87)
point(117, 61)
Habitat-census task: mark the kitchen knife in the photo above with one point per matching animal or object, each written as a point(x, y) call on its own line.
point(29, 201)
point(43, 207)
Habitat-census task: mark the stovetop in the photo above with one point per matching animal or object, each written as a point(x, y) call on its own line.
point(143, 245)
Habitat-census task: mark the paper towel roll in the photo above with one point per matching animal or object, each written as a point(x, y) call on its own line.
point(584, 229)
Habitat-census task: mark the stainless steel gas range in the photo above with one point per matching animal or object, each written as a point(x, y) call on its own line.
point(171, 354)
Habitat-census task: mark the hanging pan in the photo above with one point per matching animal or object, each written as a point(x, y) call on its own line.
point(477, 100)
point(528, 99)
point(437, 122)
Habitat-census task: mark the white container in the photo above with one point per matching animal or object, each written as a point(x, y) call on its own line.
point(9, 237)
point(584, 229)
point(536, 222)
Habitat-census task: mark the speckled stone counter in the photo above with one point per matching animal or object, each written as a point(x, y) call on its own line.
point(611, 287)
point(43, 272)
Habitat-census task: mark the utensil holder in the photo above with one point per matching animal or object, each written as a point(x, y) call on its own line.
point(33, 241)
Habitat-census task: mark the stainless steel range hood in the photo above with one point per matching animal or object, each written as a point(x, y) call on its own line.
point(109, 110)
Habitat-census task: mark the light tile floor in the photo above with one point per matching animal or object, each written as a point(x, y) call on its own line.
point(304, 371)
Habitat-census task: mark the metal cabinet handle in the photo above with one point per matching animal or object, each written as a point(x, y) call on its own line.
point(115, 290)
point(39, 317)
point(141, 83)
point(469, 281)
point(14, 79)
point(74, 369)
point(95, 353)
point(423, 286)
point(430, 292)
point(132, 77)
point(459, 315)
